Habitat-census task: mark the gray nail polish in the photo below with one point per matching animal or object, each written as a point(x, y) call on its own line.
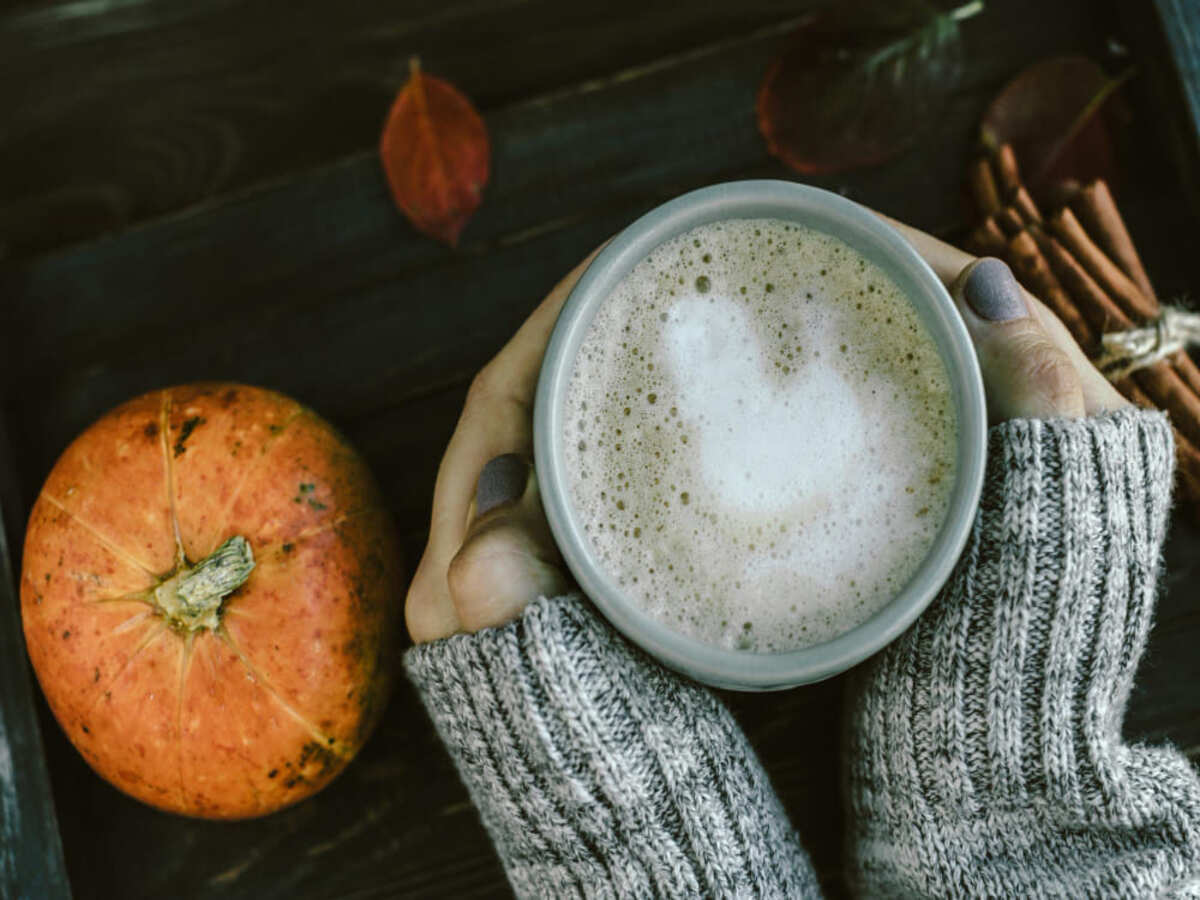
point(993, 293)
point(501, 481)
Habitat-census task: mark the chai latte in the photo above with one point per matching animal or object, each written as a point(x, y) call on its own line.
point(762, 436)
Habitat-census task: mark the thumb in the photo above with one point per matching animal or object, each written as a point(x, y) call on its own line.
point(508, 556)
point(1025, 373)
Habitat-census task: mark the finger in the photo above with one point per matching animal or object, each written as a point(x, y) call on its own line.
point(490, 424)
point(501, 482)
point(1025, 373)
point(509, 557)
point(498, 415)
point(1099, 395)
point(947, 262)
point(496, 419)
point(429, 613)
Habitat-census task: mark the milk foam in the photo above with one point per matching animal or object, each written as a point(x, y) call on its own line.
point(762, 437)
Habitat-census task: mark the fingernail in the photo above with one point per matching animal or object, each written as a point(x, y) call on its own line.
point(993, 293)
point(502, 481)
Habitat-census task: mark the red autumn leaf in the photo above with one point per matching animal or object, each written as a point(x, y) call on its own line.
point(857, 82)
point(1059, 116)
point(435, 154)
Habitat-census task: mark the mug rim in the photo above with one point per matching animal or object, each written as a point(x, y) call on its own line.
point(823, 211)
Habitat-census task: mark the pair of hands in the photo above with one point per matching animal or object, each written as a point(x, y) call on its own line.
point(490, 550)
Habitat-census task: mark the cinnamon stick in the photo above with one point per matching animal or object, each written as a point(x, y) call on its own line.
point(1187, 454)
point(1024, 204)
point(1096, 306)
point(1033, 271)
point(987, 239)
point(1163, 385)
point(1187, 369)
point(1007, 174)
point(1115, 282)
point(1134, 394)
point(983, 186)
point(1097, 210)
point(1011, 220)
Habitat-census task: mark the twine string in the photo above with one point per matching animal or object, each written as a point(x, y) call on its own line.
point(1125, 352)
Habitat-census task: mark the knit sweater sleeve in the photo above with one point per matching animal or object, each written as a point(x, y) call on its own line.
point(599, 773)
point(985, 755)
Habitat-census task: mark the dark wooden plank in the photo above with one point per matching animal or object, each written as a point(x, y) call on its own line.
point(1164, 37)
point(1178, 73)
point(115, 112)
point(1180, 21)
point(31, 856)
point(317, 287)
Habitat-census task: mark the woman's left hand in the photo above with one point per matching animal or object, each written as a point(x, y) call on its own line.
point(490, 551)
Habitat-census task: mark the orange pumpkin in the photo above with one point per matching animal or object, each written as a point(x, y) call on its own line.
point(209, 589)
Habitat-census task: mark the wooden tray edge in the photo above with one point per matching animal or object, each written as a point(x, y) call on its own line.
point(31, 853)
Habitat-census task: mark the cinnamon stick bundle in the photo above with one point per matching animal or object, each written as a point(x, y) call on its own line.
point(1080, 260)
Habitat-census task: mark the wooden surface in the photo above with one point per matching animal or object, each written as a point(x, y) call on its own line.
point(190, 191)
point(1177, 80)
point(117, 112)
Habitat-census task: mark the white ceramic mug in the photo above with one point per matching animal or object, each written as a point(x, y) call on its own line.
point(880, 243)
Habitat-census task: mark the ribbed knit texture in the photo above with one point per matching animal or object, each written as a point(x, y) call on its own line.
point(985, 757)
point(984, 754)
point(597, 772)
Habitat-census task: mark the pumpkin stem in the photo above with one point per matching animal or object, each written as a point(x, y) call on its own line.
point(192, 598)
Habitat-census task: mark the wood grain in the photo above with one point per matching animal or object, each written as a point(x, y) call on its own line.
point(119, 112)
point(315, 285)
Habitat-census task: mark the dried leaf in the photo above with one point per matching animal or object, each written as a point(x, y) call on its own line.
point(1058, 115)
point(845, 94)
point(435, 154)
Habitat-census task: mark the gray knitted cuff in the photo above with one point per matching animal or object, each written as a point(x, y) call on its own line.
point(985, 744)
point(1058, 591)
point(597, 771)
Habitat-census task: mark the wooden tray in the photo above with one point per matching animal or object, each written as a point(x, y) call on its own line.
point(314, 285)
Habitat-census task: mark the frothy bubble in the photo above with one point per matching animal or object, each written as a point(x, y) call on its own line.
point(761, 436)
